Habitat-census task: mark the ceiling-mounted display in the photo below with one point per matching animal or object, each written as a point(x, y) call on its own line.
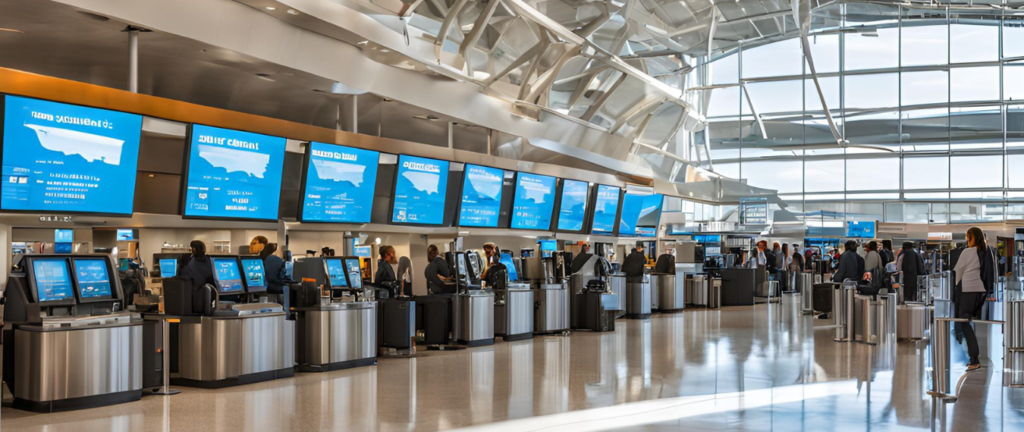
point(339, 184)
point(534, 202)
point(421, 187)
point(68, 158)
point(481, 196)
point(640, 214)
point(573, 209)
point(606, 208)
point(233, 174)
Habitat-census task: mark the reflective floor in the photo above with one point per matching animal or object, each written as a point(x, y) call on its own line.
point(746, 368)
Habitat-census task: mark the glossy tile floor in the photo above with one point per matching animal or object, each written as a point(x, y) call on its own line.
point(746, 368)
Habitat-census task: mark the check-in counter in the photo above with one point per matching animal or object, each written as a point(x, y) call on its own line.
point(336, 336)
point(225, 351)
point(552, 313)
point(473, 322)
point(513, 312)
point(77, 362)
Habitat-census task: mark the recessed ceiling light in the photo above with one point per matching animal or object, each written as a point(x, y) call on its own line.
point(9, 30)
point(152, 175)
point(385, 50)
point(293, 12)
point(271, 8)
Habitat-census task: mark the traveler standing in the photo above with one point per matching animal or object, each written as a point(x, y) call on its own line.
point(912, 266)
point(973, 275)
point(849, 264)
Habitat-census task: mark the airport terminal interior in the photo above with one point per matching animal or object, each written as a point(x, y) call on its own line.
point(511, 215)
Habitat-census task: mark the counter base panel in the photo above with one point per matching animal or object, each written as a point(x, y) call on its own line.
point(478, 342)
point(85, 402)
point(349, 364)
point(515, 337)
point(252, 378)
point(638, 316)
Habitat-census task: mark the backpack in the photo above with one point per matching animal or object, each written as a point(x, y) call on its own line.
point(987, 273)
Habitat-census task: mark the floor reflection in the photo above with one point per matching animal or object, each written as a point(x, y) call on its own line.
point(750, 368)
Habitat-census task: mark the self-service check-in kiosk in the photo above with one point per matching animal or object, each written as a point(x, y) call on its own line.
point(333, 335)
point(513, 306)
point(67, 342)
point(473, 307)
point(225, 335)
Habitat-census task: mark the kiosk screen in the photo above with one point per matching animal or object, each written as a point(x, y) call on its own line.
point(53, 280)
point(229, 279)
point(336, 273)
point(255, 277)
point(93, 279)
point(355, 275)
point(168, 268)
point(506, 259)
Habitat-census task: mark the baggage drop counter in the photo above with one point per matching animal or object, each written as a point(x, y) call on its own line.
point(225, 351)
point(336, 336)
point(474, 318)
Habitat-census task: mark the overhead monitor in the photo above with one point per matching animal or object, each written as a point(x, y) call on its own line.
point(52, 280)
point(640, 214)
point(68, 158)
point(63, 235)
point(93, 278)
point(255, 276)
point(421, 187)
point(857, 229)
point(233, 174)
point(125, 234)
point(506, 259)
point(227, 275)
point(534, 201)
point(548, 245)
point(481, 196)
point(339, 184)
point(361, 251)
point(355, 278)
point(168, 267)
point(606, 208)
point(62, 248)
point(573, 209)
point(336, 273)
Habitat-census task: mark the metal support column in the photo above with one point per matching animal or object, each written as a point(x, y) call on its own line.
point(133, 58)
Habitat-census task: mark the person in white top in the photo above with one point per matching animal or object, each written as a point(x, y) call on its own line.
point(968, 273)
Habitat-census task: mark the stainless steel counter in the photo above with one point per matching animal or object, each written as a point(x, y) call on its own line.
point(513, 312)
point(336, 336)
point(215, 352)
point(474, 318)
point(552, 313)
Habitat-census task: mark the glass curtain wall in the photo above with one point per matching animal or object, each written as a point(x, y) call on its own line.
point(930, 100)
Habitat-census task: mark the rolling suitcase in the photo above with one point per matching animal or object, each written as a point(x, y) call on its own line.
point(823, 297)
point(396, 324)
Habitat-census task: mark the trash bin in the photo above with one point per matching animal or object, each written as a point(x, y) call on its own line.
point(842, 311)
point(698, 290)
point(715, 293)
point(638, 302)
point(911, 321)
point(865, 330)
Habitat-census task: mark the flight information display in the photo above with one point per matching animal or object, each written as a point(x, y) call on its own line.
point(640, 214)
point(336, 273)
point(168, 268)
point(860, 229)
point(66, 158)
point(63, 235)
point(534, 202)
point(605, 208)
point(93, 279)
point(255, 277)
point(421, 187)
point(225, 270)
point(354, 272)
point(481, 196)
point(573, 209)
point(233, 174)
point(340, 182)
point(53, 280)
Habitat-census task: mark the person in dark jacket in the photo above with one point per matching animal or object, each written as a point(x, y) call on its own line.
point(912, 266)
point(436, 271)
point(386, 276)
point(273, 265)
point(580, 260)
point(798, 258)
point(851, 265)
point(199, 270)
point(633, 265)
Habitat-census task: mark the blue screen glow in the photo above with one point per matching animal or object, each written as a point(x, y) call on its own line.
point(534, 202)
point(233, 174)
point(574, 205)
point(255, 278)
point(548, 245)
point(361, 251)
point(53, 280)
point(225, 270)
point(860, 229)
point(93, 279)
point(421, 188)
point(63, 236)
point(354, 273)
point(168, 268)
point(336, 273)
point(605, 208)
point(67, 158)
point(506, 259)
point(481, 196)
point(339, 184)
point(640, 215)
point(125, 235)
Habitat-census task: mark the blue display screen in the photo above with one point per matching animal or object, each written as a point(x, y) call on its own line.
point(125, 235)
point(336, 273)
point(421, 188)
point(233, 174)
point(548, 245)
point(93, 279)
point(340, 182)
point(53, 280)
point(168, 268)
point(63, 236)
point(481, 196)
point(860, 229)
point(605, 208)
point(354, 273)
point(534, 202)
point(506, 259)
point(573, 209)
point(67, 158)
point(640, 214)
point(255, 277)
point(225, 270)
point(62, 248)
point(361, 251)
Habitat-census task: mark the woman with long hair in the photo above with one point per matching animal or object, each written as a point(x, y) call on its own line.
point(969, 273)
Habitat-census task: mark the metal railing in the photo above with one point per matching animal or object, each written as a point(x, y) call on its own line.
point(940, 356)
